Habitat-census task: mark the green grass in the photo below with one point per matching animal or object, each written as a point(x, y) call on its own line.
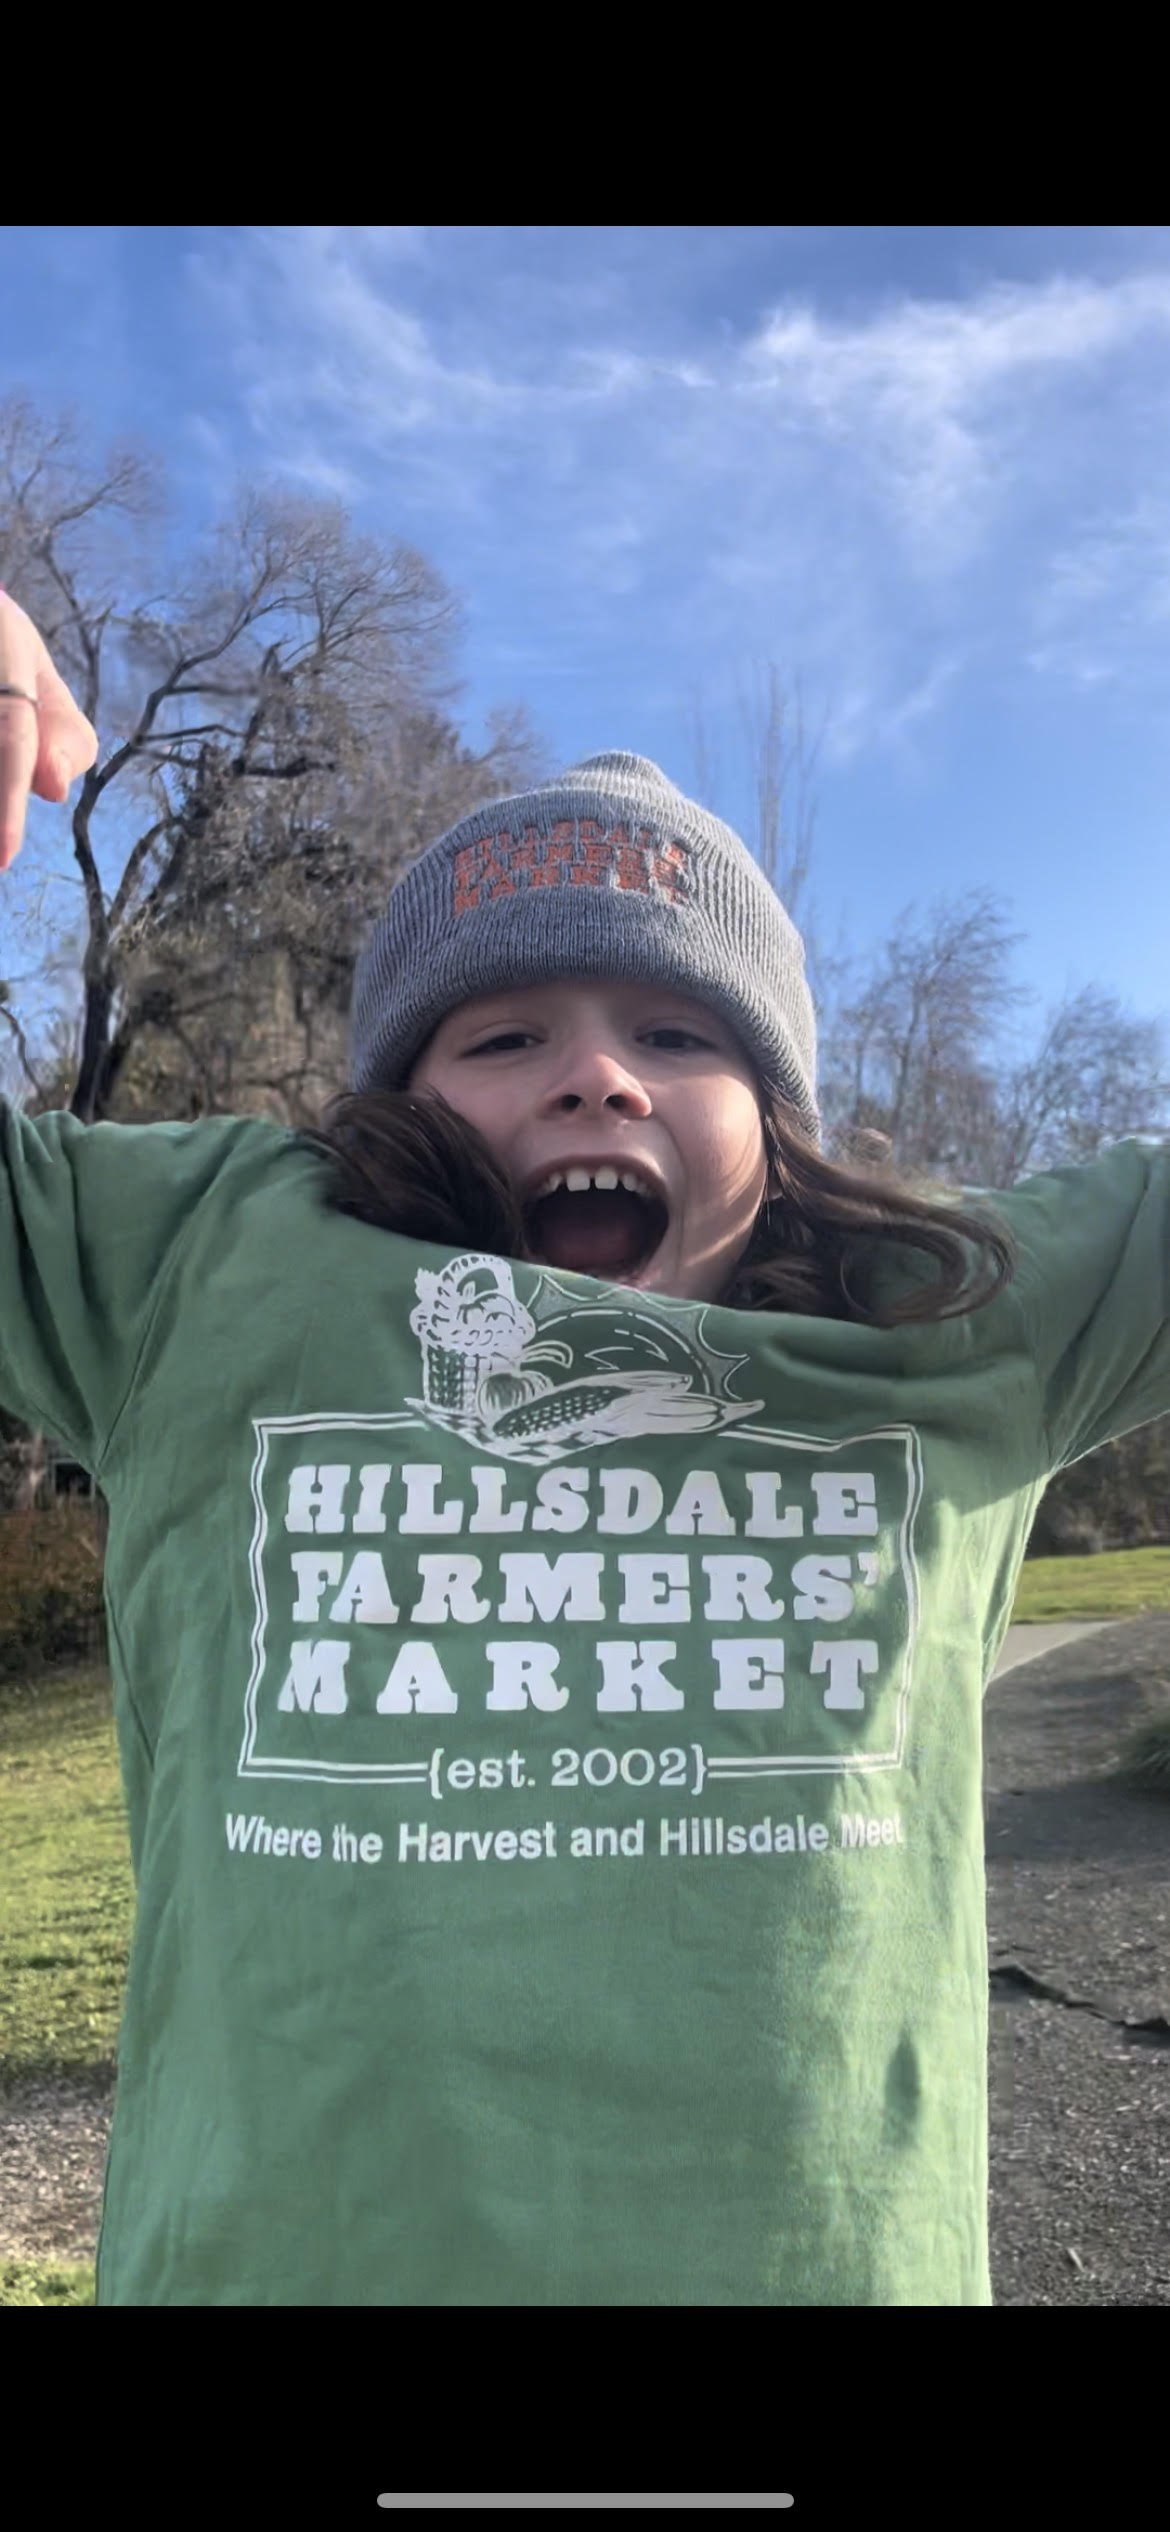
point(1123, 1584)
point(29, 2281)
point(66, 1890)
point(66, 1905)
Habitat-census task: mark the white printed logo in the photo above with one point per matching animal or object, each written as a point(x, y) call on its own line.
point(484, 1352)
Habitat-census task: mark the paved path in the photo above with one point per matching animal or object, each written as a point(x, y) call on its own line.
point(1024, 1643)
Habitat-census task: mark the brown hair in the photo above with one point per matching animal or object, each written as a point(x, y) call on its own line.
point(407, 1162)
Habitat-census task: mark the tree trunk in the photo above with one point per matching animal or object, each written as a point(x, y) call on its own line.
point(87, 1099)
point(24, 1460)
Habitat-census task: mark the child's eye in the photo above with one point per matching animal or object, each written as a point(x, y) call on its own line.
point(506, 1038)
point(689, 1037)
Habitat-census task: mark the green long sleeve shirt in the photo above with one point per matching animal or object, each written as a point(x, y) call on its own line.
point(550, 1722)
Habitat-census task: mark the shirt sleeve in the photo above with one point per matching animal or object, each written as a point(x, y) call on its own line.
point(92, 1218)
point(1093, 1285)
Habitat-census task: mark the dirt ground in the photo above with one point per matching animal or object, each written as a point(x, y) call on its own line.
point(1078, 1914)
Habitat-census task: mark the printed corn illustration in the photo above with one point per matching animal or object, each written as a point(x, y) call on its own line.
point(483, 1372)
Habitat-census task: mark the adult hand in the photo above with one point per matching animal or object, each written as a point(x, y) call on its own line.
point(43, 747)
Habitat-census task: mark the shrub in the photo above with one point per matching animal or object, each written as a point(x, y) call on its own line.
point(1057, 1531)
point(51, 1605)
point(1116, 1496)
point(1144, 1758)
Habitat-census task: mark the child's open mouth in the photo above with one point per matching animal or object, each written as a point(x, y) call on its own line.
point(595, 1220)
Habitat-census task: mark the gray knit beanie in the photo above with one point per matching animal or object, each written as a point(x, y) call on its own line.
point(609, 871)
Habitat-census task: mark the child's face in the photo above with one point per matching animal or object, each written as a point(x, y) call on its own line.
point(622, 1078)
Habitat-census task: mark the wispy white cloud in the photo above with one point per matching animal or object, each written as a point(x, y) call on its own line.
point(891, 715)
point(932, 395)
point(885, 495)
point(1101, 612)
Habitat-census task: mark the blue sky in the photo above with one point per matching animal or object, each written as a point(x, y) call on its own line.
point(924, 470)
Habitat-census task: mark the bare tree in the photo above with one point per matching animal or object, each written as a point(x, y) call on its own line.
point(905, 1044)
point(911, 1049)
point(782, 756)
point(911, 1069)
point(1097, 1074)
point(237, 978)
point(778, 753)
point(910, 1034)
point(252, 715)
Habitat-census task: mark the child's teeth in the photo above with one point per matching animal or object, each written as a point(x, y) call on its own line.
point(578, 1180)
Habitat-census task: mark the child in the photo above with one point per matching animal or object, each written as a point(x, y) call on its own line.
point(561, 1527)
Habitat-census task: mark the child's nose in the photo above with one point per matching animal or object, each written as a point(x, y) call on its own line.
point(595, 1077)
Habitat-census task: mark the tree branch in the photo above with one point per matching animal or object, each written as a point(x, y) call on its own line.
point(247, 614)
point(18, 1033)
point(296, 766)
point(129, 878)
